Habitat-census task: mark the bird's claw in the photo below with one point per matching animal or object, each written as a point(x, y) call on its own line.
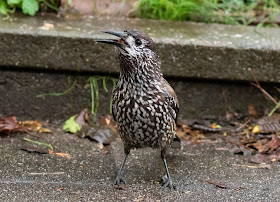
point(119, 180)
point(167, 182)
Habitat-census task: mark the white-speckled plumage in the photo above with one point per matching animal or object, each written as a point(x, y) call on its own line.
point(145, 106)
point(144, 109)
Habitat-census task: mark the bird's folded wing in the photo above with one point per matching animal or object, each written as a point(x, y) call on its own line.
point(171, 98)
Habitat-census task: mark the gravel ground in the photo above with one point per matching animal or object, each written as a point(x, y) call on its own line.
point(198, 171)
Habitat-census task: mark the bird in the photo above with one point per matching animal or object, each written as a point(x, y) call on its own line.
point(144, 105)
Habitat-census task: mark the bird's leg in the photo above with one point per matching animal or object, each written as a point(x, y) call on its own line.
point(119, 179)
point(167, 182)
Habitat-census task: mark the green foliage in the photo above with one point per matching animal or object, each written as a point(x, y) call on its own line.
point(5, 9)
point(94, 87)
point(29, 7)
point(71, 125)
point(10, 2)
point(221, 11)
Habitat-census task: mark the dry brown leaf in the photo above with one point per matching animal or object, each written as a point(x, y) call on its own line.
point(34, 126)
point(44, 130)
point(121, 186)
point(252, 111)
point(260, 145)
point(64, 155)
point(268, 124)
point(260, 159)
point(217, 183)
point(273, 144)
point(82, 117)
point(9, 124)
point(31, 125)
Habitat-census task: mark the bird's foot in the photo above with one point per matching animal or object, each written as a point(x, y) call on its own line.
point(119, 180)
point(167, 182)
point(120, 183)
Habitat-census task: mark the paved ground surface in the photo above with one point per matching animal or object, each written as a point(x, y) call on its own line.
point(89, 174)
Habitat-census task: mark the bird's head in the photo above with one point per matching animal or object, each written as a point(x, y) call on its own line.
point(136, 50)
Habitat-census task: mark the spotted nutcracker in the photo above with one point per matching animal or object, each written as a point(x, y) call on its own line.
point(145, 106)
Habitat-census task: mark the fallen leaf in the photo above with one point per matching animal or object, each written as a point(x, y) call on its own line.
point(240, 150)
point(252, 111)
point(260, 159)
point(71, 125)
point(64, 155)
point(9, 124)
point(217, 183)
point(121, 186)
point(34, 150)
point(273, 144)
point(44, 130)
point(105, 120)
point(260, 145)
point(31, 125)
point(215, 125)
point(60, 189)
point(101, 134)
point(76, 122)
point(268, 124)
point(82, 117)
point(34, 126)
point(206, 128)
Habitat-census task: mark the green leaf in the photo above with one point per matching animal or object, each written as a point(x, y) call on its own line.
point(40, 143)
point(71, 125)
point(3, 8)
point(14, 1)
point(30, 7)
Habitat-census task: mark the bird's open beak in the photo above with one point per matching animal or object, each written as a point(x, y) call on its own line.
point(120, 43)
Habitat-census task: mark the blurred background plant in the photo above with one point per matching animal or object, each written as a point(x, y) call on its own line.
point(29, 7)
point(233, 12)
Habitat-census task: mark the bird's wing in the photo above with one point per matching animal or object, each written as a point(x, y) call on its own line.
point(114, 98)
point(171, 98)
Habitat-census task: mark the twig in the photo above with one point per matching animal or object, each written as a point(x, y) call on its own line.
point(242, 125)
point(257, 84)
point(55, 173)
point(251, 166)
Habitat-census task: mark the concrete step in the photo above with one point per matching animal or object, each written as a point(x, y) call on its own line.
point(188, 50)
point(208, 64)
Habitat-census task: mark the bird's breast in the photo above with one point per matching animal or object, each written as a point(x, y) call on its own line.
point(142, 117)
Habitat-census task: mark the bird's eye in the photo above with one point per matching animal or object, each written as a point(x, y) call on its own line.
point(138, 42)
